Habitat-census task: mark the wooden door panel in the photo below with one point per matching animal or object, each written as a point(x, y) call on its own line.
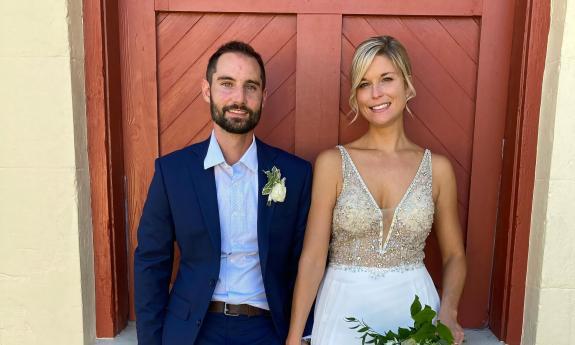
point(185, 43)
point(307, 48)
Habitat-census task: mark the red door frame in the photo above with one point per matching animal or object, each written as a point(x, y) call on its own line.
point(531, 29)
point(102, 37)
point(105, 153)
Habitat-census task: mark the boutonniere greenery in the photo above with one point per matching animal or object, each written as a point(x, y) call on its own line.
point(423, 332)
point(275, 188)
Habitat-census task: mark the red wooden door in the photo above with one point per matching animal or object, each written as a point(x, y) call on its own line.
point(460, 51)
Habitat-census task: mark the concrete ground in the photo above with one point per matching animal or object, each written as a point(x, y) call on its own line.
point(472, 337)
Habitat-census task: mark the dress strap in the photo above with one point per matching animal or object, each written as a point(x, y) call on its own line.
point(427, 166)
point(345, 163)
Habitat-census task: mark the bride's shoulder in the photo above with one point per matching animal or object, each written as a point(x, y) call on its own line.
point(328, 162)
point(329, 158)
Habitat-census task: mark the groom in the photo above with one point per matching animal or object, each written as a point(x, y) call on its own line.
point(237, 209)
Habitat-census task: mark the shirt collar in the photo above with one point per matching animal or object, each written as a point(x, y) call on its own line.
point(216, 157)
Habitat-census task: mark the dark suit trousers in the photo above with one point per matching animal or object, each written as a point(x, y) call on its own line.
point(219, 329)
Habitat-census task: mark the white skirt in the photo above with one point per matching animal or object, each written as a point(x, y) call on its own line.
point(381, 299)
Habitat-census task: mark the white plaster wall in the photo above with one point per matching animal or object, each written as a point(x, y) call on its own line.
point(549, 316)
point(46, 265)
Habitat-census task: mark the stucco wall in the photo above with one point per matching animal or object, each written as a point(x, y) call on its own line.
point(549, 316)
point(46, 269)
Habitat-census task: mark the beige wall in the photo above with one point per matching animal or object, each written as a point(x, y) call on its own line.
point(549, 316)
point(46, 268)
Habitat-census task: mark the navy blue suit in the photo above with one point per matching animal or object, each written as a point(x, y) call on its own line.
point(182, 206)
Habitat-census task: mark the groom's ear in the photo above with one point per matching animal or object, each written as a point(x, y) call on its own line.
point(264, 97)
point(206, 90)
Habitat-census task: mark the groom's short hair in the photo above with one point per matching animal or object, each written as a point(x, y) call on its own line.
point(235, 47)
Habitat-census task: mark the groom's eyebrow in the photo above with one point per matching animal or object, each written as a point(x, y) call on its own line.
point(225, 77)
point(249, 81)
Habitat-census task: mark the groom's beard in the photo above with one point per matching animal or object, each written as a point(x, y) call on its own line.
point(235, 125)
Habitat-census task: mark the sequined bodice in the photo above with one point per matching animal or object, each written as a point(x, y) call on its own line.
point(363, 235)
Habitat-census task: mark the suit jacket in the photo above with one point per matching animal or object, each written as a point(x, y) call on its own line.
point(182, 207)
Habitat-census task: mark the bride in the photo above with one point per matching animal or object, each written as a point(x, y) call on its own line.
point(374, 201)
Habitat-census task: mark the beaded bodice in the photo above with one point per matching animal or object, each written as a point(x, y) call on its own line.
point(365, 236)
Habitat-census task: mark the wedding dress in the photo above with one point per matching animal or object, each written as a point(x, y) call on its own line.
point(375, 265)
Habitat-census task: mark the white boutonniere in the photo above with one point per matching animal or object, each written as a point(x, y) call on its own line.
point(275, 188)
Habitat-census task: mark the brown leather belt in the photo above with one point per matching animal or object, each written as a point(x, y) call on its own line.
point(236, 309)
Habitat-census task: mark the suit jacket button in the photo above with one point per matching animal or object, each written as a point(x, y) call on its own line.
point(199, 322)
point(212, 282)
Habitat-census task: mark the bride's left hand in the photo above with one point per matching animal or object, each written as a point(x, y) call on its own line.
point(449, 318)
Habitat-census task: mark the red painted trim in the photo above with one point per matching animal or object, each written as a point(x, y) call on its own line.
point(103, 106)
point(491, 106)
point(367, 7)
point(162, 5)
point(318, 68)
point(512, 243)
point(140, 111)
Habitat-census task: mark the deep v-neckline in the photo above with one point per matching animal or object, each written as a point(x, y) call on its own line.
point(383, 244)
point(368, 192)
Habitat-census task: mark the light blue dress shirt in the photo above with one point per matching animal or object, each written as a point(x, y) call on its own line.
point(240, 280)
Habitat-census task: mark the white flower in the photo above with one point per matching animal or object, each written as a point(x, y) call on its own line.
point(278, 193)
point(275, 187)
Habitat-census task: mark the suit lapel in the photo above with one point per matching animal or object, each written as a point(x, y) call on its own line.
point(266, 156)
point(205, 184)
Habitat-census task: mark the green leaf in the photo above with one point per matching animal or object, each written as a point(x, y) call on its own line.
point(426, 331)
point(390, 335)
point(404, 333)
point(415, 306)
point(444, 332)
point(424, 317)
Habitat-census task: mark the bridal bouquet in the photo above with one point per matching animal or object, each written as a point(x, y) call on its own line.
point(423, 332)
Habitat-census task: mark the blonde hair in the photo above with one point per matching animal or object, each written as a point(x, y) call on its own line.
point(364, 54)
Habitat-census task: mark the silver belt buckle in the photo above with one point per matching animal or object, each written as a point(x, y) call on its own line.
point(227, 313)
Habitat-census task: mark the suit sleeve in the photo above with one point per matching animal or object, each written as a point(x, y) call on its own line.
point(153, 262)
point(303, 210)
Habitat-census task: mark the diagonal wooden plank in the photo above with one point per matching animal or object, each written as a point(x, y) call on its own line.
point(191, 47)
point(429, 71)
point(202, 134)
point(186, 126)
point(161, 16)
point(434, 113)
point(284, 57)
point(357, 29)
point(438, 120)
point(176, 99)
point(281, 65)
point(283, 134)
point(192, 120)
point(274, 36)
point(439, 43)
point(465, 32)
point(279, 69)
point(347, 51)
point(278, 105)
point(417, 130)
point(173, 29)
